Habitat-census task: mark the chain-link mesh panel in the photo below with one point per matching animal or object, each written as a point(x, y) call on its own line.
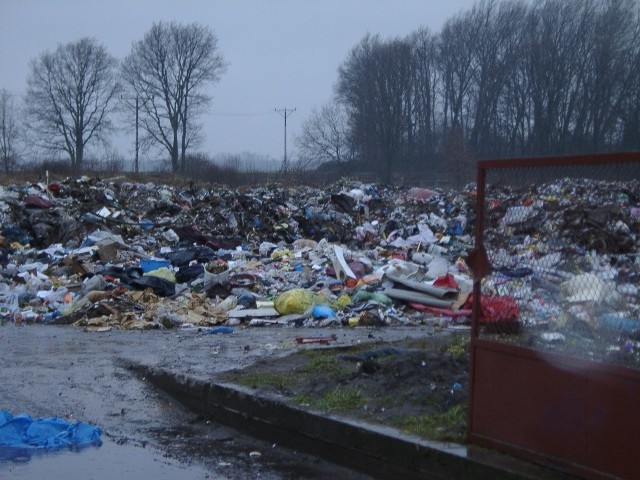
point(563, 244)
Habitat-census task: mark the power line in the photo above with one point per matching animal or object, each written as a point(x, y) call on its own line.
point(240, 114)
point(285, 112)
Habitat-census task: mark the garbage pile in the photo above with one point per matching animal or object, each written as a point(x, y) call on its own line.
point(105, 254)
point(101, 254)
point(564, 257)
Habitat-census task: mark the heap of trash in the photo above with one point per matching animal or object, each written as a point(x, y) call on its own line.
point(565, 266)
point(105, 254)
point(112, 253)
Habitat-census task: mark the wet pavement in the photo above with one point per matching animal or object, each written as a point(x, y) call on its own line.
point(104, 463)
point(66, 372)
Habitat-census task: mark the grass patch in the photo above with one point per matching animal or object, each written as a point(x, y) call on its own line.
point(459, 345)
point(313, 363)
point(456, 344)
point(326, 363)
point(448, 426)
point(340, 399)
point(277, 380)
point(408, 390)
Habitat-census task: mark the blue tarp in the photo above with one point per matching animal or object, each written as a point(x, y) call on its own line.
point(22, 434)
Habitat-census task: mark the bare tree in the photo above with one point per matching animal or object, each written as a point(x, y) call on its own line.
point(168, 71)
point(457, 64)
point(612, 61)
point(69, 98)
point(324, 136)
point(514, 109)
point(356, 91)
point(375, 86)
point(500, 28)
point(8, 132)
point(426, 81)
point(558, 36)
point(507, 77)
point(457, 59)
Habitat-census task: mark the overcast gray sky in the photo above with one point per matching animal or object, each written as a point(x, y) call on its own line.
point(281, 53)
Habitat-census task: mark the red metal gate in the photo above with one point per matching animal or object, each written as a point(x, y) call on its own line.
point(555, 361)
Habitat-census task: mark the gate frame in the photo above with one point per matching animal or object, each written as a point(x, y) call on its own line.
point(569, 413)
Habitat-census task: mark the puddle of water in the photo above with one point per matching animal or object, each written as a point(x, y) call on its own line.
point(107, 462)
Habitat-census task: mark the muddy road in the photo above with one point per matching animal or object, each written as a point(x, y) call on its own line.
point(65, 372)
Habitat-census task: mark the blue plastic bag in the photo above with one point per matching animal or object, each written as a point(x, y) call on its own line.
point(320, 312)
point(23, 433)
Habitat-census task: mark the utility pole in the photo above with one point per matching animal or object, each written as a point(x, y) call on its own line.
point(135, 165)
point(285, 112)
point(137, 144)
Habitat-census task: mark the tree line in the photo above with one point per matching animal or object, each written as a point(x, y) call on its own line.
point(74, 93)
point(504, 79)
point(507, 78)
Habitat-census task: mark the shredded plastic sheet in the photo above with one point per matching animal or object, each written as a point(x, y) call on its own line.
point(495, 309)
point(22, 435)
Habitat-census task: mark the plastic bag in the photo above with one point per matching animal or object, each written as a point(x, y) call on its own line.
point(298, 300)
point(495, 309)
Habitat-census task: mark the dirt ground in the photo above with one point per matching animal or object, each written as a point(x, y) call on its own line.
point(416, 385)
point(66, 372)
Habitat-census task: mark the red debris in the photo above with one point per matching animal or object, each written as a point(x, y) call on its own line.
point(38, 202)
point(324, 340)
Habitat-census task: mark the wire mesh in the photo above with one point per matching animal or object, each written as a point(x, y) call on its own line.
point(562, 238)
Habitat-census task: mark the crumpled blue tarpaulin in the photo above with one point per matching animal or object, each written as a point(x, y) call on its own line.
point(23, 433)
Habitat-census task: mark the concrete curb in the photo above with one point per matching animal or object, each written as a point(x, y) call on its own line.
point(378, 451)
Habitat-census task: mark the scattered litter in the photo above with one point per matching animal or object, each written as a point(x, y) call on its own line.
point(323, 339)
